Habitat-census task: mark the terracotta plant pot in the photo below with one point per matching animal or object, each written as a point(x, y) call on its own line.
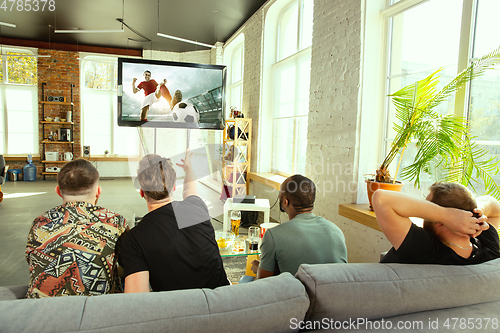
point(372, 186)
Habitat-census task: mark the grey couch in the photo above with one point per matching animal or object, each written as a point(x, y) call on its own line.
point(325, 298)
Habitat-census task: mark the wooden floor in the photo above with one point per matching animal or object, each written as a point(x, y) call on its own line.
point(24, 201)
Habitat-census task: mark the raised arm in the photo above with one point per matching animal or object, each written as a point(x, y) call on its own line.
point(394, 209)
point(491, 208)
point(189, 179)
point(134, 89)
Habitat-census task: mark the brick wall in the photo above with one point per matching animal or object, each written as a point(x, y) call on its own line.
point(333, 120)
point(58, 72)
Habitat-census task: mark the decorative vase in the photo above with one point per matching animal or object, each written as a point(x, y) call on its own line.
point(372, 186)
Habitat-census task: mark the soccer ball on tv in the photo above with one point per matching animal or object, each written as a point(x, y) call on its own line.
point(185, 112)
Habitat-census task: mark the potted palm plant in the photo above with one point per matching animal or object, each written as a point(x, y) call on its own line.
point(442, 141)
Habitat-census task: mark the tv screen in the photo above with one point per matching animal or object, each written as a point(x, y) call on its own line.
point(170, 94)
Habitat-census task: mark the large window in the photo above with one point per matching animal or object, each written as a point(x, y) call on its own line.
point(288, 84)
point(448, 34)
point(99, 101)
point(18, 102)
point(233, 58)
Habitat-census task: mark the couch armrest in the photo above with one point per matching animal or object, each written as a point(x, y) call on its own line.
point(12, 292)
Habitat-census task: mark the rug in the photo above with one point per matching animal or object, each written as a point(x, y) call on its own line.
point(234, 267)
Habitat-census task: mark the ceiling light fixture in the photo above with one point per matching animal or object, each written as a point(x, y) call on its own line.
point(78, 31)
point(185, 40)
point(12, 25)
point(178, 38)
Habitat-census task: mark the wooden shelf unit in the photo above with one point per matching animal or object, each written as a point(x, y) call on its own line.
point(56, 103)
point(237, 155)
point(63, 108)
point(57, 122)
point(57, 142)
point(55, 162)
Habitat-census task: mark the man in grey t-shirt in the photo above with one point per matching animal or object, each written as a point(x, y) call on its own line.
point(305, 239)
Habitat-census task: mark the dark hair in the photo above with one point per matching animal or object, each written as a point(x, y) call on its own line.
point(300, 192)
point(157, 176)
point(451, 195)
point(147, 71)
point(77, 177)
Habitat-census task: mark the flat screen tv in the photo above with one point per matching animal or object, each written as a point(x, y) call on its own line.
point(155, 93)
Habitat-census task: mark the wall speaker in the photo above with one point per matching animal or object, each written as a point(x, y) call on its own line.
point(86, 151)
point(53, 98)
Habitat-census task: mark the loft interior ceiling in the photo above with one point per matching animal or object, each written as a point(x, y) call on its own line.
point(206, 21)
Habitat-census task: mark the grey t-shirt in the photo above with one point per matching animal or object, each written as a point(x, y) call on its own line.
point(305, 239)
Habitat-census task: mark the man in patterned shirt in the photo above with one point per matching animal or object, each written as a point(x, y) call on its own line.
point(71, 248)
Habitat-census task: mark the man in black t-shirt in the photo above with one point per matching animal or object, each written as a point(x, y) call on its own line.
point(173, 247)
point(455, 231)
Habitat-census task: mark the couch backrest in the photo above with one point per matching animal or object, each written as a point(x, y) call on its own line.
point(374, 291)
point(262, 306)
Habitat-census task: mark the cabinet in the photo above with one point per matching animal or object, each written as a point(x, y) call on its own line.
point(237, 144)
point(64, 142)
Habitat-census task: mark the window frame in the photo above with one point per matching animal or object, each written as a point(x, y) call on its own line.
point(4, 84)
point(111, 92)
point(372, 152)
point(235, 46)
point(272, 44)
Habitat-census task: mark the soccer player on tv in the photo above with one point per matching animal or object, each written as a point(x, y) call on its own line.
point(152, 93)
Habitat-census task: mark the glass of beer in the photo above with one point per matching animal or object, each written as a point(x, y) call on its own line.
point(253, 238)
point(235, 222)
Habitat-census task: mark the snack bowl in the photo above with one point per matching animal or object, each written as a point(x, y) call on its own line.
point(239, 246)
point(224, 239)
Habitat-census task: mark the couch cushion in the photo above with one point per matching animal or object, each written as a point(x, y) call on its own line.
point(262, 306)
point(13, 292)
point(373, 291)
point(479, 318)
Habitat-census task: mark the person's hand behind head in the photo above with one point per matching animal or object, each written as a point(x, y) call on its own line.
point(482, 221)
point(461, 222)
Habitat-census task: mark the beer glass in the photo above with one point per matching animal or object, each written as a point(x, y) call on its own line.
point(235, 222)
point(253, 238)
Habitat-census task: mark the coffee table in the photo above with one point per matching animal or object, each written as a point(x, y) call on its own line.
point(229, 252)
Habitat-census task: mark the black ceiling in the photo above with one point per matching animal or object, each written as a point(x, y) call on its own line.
point(206, 21)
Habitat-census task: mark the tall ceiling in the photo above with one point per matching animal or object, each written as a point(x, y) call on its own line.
point(206, 21)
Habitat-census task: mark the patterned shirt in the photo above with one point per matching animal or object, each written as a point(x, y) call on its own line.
point(71, 250)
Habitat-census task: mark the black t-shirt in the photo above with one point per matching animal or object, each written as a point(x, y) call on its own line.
point(422, 247)
point(178, 249)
